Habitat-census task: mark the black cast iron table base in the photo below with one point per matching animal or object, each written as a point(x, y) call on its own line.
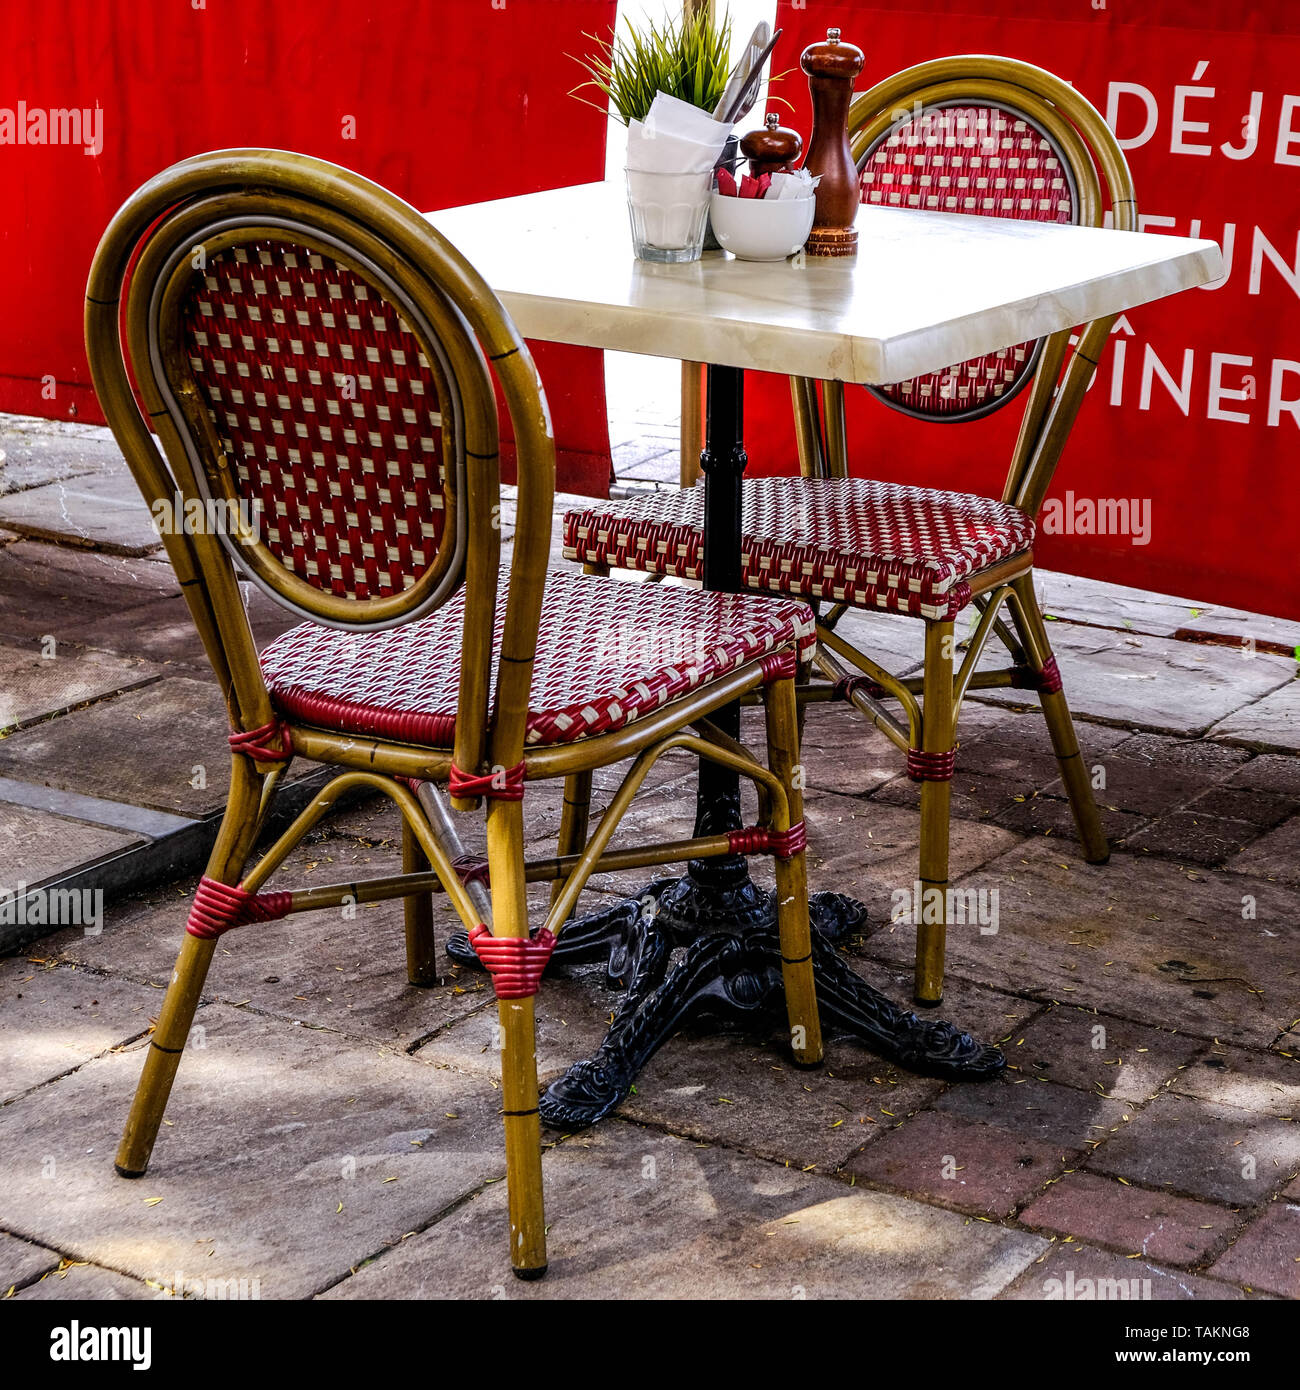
point(730, 969)
point(729, 972)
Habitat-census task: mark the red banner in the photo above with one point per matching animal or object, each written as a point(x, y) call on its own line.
point(1189, 433)
point(443, 101)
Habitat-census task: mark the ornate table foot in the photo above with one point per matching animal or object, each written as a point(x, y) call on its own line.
point(721, 974)
point(928, 1046)
point(730, 970)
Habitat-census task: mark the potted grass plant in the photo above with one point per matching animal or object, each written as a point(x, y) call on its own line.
point(663, 82)
point(686, 58)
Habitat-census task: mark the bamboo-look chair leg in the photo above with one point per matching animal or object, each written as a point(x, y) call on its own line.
point(226, 865)
point(1060, 725)
point(692, 428)
point(574, 819)
point(421, 940)
point(937, 736)
point(518, 1038)
point(780, 709)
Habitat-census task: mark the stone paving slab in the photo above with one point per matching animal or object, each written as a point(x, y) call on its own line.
point(725, 1226)
point(1216, 1151)
point(1010, 804)
point(1095, 1052)
point(756, 1101)
point(962, 1164)
point(1259, 1081)
point(1274, 856)
point(1267, 1253)
point(844, 754)
point(276, 1164)
point(34, 452)
point(891, 640)
point(1131, 1220)
point(1034, 1109)
point(317, 969)
point(1149, 940)
point(38, 686)
point(87, 1283)
point(1244, 626)
point(1077, 1273)
point(1272, 723)
point(37, 847)
point(52, 1020)
point(1095, 602)
point(1152, 775)
point(103, 509)
point(868, 849)
point(146, 747)
point(21, 1261)
point(1151, 682)
point(1190, 838)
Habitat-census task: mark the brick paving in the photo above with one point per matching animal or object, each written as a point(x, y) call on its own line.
point(334, 1131)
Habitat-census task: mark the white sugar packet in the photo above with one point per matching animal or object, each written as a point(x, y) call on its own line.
point(797, 184)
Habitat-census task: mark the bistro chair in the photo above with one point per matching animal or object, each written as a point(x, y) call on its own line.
point(979, 135)
point(314, 361)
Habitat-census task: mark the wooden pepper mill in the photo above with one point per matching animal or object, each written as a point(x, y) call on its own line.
point(831, 68)
point(772, 150)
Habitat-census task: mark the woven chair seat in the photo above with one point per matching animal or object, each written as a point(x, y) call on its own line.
point(608, 653)
point(850, 540)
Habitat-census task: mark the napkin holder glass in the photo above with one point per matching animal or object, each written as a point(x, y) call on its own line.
point(668, 214)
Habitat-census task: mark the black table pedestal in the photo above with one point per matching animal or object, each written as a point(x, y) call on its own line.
point(730, 967)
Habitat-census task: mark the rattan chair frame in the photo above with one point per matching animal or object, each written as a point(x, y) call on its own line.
point(1051, 397)
point(214, 201)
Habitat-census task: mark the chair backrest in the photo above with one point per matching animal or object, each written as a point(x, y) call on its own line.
point(986, 160)
point(312, 356)
point(989, 136)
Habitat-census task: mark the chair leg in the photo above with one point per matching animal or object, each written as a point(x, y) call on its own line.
point(936, 788)
point(1074, 771)
point(573, 820)
point(164, 1057)
point(226, 863)
point(519, 1090)
point(421, 940)
point(781, 711)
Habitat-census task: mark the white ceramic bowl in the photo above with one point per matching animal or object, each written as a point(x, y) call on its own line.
point(757, 229)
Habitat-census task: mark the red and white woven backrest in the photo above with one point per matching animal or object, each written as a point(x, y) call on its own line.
point(983, 160)
point(329, 414)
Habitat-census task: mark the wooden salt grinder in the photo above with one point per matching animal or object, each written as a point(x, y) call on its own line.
point(773, 149)
point(831, 68)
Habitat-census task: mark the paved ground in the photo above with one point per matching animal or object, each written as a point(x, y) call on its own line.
point(334, 1132)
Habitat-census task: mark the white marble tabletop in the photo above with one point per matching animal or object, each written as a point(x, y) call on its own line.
point(925, 289)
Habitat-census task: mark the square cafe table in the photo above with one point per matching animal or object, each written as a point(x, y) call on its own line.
point(925, 290)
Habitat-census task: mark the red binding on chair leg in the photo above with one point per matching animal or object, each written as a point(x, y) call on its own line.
point(504, 785)
point(256, 743)
point(931, 767)
point(844, 687)
point(515, 963)
point(1046, 682)
point(780, 666)
point(1049, 682)
point(781, 844)
point(219, 907)
point(471, 868)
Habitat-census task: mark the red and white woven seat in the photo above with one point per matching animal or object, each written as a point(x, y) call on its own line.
point(849, 540)
point(607, 655)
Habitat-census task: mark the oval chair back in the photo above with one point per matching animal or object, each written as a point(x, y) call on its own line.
point(313, 358)
point(926, 138)
point(985, 160)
